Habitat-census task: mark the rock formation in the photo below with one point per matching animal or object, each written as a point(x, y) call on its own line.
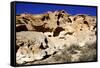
point(55, 37)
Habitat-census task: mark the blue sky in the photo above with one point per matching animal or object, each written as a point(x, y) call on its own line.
point(42, 8)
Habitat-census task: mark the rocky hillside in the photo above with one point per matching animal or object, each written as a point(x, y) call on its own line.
point(55, 37)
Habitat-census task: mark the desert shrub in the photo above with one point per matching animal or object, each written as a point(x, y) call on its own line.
point(74, 47)
point(91, 46)
point(88, 53)
point(62, 57)
point(66, 53)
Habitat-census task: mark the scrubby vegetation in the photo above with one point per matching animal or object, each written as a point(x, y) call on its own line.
point(88, 53)
point(85, 53)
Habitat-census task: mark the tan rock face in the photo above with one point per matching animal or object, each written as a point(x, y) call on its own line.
point(55, 37)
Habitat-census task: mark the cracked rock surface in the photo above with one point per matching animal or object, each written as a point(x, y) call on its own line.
point(55, 37)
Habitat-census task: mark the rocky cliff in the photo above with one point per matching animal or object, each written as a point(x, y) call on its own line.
point(55, 37)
